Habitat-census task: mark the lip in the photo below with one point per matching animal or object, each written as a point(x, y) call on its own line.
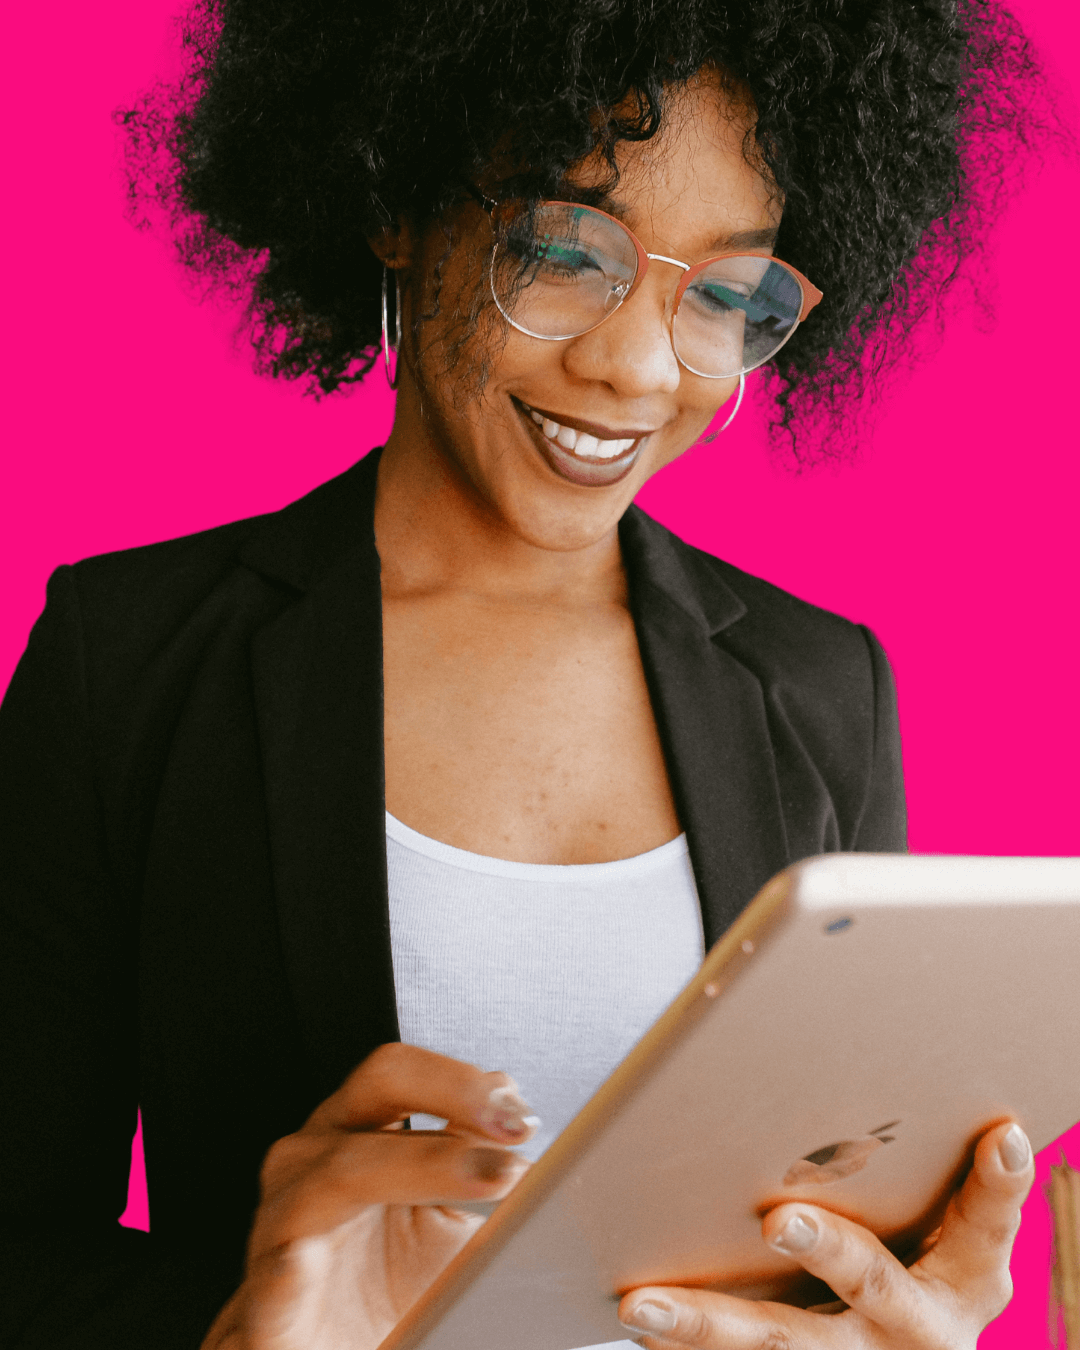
point(601, 432)
point(573, 468)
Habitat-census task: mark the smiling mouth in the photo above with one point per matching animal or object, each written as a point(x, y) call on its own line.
point(579, 455)
point(581, 444)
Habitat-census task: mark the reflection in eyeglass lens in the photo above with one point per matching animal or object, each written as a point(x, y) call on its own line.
point(565, 272)
point(736, 314)
point(563, 269)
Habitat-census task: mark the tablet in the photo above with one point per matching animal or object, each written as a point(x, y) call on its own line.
point(841, 1044)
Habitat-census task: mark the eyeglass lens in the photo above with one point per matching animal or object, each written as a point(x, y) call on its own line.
point(565, 269)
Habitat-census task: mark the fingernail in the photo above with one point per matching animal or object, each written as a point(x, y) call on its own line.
point(491, 1164)
point(506, 1113)
point(797, 1236)
point(650, 1316)
point(1014, 1150)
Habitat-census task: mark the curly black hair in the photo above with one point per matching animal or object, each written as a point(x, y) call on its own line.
point(303, 127)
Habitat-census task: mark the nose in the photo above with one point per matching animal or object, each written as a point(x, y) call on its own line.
point(631, 350)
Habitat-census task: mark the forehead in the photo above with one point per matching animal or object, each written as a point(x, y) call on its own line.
point(691, 187)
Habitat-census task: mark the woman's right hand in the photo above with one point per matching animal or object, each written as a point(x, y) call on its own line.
point(356, 1217)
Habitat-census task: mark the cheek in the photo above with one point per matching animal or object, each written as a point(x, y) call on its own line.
point(454, 323)
point(708, 396)
point(704, 400)
point(524, 366)
point(701, 402)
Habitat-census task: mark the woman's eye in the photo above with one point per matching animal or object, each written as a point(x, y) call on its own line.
point(730, 295)
point(566, 259)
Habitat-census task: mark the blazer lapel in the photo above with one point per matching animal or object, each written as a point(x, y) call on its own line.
point(710, 713)
point(317, 672)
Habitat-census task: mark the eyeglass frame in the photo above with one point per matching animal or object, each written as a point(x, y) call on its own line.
point(811, 296)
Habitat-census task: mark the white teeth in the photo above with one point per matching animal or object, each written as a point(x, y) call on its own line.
point(611, 449)
point(580, 442)
point(567, 437)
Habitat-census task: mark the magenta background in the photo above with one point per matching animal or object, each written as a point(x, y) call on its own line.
point(133, 416)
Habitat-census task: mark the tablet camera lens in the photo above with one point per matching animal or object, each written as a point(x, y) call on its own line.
point(838, 925)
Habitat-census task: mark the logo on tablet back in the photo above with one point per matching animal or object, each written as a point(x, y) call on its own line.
point(835, 1161)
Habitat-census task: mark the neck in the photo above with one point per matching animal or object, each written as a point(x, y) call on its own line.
point(435, 529)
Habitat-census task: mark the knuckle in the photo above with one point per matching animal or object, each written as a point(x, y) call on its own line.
point(438, 1151)
point(874, 1282)
point(694, 1327)
point(343, 1159)
point(282, 1157)
point(385, 1062)
point(380, 1078)
point(495, 1079)
point(998, 1231)
point(291, 1159)
point(999, 1293)
point(776, 1338)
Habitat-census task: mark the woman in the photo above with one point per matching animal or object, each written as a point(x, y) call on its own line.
point(476, 633)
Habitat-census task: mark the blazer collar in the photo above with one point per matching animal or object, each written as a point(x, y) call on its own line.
point(302, 542)
point(710, 713)
point(689, 579)
point(307, 539)
point(317, 671)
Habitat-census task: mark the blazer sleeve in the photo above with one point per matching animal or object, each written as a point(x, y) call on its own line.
point(70, 1275)
point(882, 826)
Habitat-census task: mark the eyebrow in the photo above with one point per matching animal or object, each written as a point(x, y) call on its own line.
point(765, 238)
point(747, 239)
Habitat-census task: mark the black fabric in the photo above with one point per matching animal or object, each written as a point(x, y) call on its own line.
point(193, 909)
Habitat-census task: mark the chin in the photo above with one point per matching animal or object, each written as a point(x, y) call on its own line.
point(566, 526)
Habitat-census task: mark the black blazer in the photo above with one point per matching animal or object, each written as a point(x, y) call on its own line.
point(193, 906)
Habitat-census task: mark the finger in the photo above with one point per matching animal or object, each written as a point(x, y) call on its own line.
point(312, 1183)
point(396, 1081)
point(972, 1251)
point(664, 1317)
point(859, 1270)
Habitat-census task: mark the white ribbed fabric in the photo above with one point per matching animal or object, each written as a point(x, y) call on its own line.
point(549, 973)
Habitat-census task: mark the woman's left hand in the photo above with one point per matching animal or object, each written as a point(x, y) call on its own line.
point(942, 1302)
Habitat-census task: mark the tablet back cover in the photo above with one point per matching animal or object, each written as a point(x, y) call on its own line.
point(840, 1045)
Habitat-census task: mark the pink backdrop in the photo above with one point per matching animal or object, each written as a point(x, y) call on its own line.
point(133, 416)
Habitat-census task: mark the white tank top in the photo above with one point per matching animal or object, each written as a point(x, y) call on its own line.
point(550, 973)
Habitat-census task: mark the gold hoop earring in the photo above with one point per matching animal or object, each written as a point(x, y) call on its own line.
point(391, 377)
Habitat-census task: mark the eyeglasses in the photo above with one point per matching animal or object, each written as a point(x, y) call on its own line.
point(561, 270)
